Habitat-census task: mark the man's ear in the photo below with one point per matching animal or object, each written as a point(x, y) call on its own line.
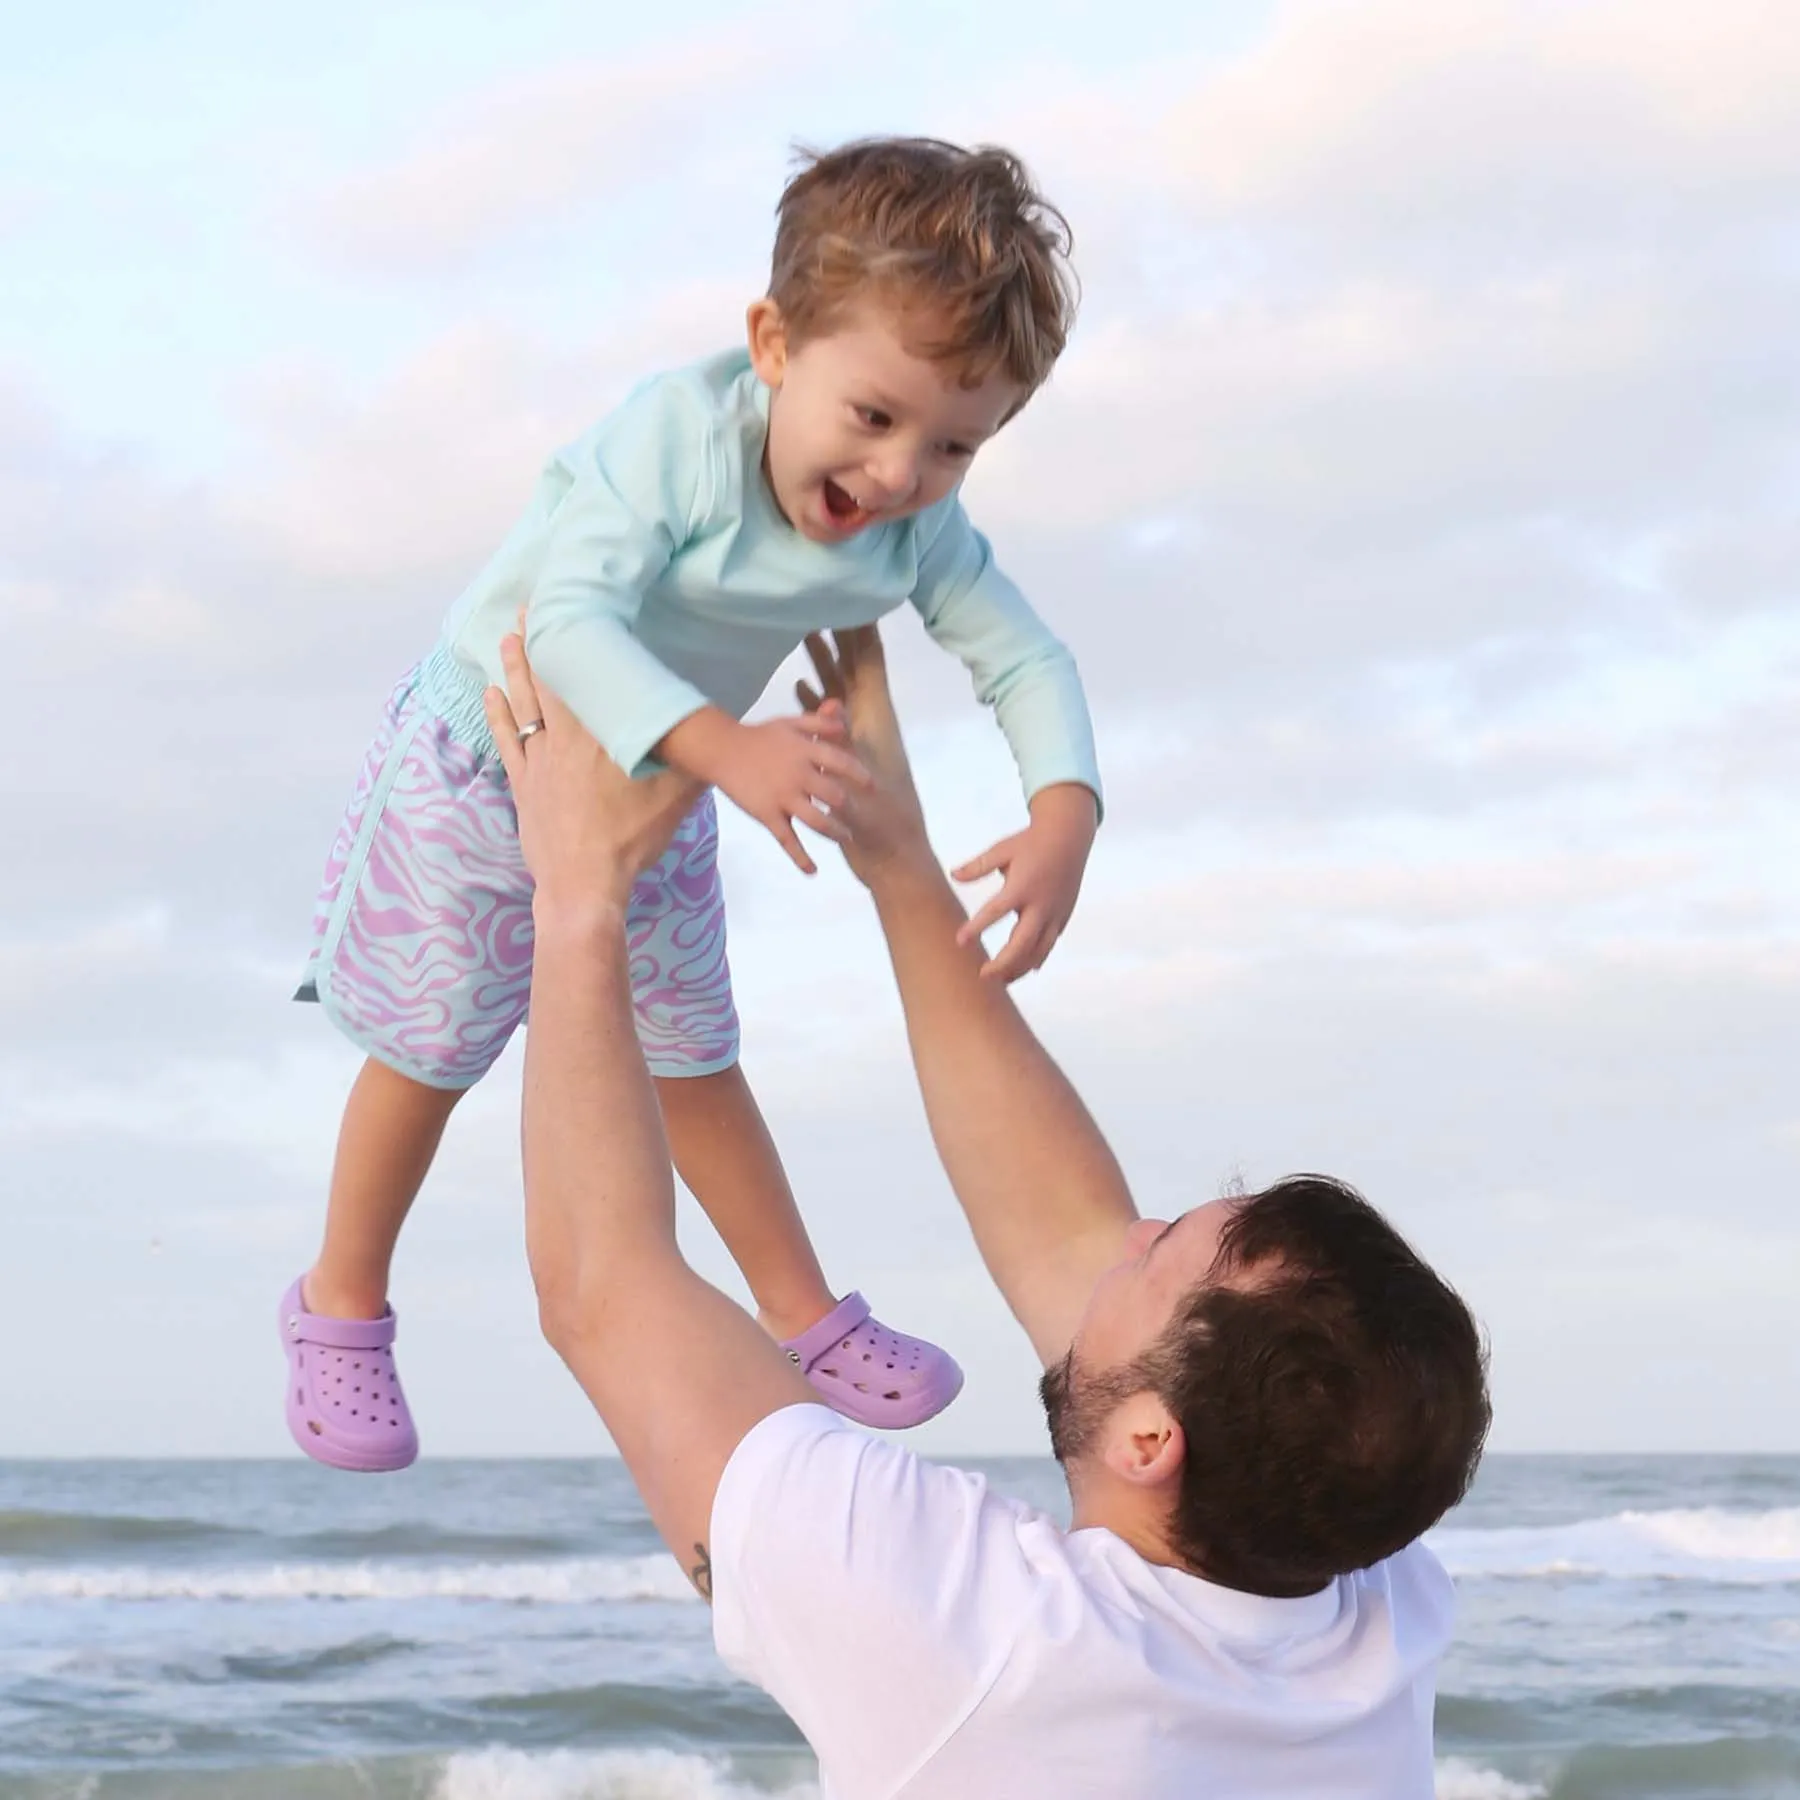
point(1145, 1445)
point(766, 333)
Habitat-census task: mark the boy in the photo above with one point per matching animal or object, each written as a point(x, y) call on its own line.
point(669, 561)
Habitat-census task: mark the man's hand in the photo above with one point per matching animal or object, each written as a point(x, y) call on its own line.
point(884, 817)
point(586, 828)
point(1042, 868)
point(1043, 864)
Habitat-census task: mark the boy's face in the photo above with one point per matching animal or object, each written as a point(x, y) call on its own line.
point(861, 430)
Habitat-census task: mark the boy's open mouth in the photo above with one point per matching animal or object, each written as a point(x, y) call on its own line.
point(843, 507)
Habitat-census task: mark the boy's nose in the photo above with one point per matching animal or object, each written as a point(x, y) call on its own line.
point(897, 480)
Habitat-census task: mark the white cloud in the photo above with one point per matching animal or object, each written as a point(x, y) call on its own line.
point(1404, 269)
point(542, 146)
point(1421, 114)
point(1385, 404)
point(416, 480)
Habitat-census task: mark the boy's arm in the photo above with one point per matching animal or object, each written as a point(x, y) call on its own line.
point(631, 505)
point(1021, 669)
point(1018, 665)
point(634, 502)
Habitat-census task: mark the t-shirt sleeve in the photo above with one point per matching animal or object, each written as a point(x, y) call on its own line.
point(872, 1594)
point(1018, 665)
point(630, 505)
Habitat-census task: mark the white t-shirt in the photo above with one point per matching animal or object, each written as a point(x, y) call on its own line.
point(937, 1641)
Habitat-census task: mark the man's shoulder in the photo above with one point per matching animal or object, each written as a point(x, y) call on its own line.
point(821, 1462)
point(807, 1494)
point(1419, 1589)
point(1396, 1616)
point(771, 1443)
point(838, 1557)
point(1412, 1573)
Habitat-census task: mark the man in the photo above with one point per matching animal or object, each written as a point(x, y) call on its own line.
point(1259, 1406)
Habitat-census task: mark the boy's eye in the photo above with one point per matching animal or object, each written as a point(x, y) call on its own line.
point(960, 452)
point(873, 417)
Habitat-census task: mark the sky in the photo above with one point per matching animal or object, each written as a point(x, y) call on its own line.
point(1420, 495)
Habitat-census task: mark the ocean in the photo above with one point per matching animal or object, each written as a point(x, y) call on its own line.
point(1630, 1626)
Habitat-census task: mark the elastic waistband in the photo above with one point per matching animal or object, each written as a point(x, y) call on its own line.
point(448, 690)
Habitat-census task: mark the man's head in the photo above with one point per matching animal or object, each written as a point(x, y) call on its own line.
point(919, 295)
point(1283, 1379)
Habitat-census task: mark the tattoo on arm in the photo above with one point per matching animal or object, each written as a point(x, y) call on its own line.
point(701, 1573)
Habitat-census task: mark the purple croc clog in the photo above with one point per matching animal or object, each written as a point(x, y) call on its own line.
point(345, 1406)
point(872, 1373)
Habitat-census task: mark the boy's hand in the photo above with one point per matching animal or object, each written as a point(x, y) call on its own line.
point(791, 769)
point(1043, 866)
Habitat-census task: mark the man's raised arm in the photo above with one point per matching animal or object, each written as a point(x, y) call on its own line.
point(1043, 1192)
point(678, 1373)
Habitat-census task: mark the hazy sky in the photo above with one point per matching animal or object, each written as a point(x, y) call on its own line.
point(1421, 495)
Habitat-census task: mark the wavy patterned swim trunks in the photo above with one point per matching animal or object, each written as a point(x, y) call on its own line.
point(422, 933)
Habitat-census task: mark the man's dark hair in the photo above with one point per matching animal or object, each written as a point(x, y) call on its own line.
point(1331, 1387)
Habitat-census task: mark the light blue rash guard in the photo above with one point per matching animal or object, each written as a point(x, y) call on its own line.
point(659, 576)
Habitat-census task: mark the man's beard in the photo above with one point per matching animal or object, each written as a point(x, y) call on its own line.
point(1056, 1392)
point(1077, 1405)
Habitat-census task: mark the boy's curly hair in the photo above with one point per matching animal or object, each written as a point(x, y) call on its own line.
point(970, 258)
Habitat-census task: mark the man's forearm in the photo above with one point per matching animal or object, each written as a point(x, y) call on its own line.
point(1043, 1192)
point(598, 1190)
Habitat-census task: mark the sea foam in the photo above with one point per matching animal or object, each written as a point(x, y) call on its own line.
point(1460, 1780)
point(570, 1582)
point(1698, 1544)
point(665, 1775)
point(1703, 1544)
point(599, 1775)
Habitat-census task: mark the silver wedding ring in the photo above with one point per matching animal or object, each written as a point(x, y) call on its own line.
point(529, 727)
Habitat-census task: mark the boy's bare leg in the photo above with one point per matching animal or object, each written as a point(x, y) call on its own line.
point(723, 1152)
point(392, 1125)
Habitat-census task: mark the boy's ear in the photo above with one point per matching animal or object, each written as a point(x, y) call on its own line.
point(766, 332)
